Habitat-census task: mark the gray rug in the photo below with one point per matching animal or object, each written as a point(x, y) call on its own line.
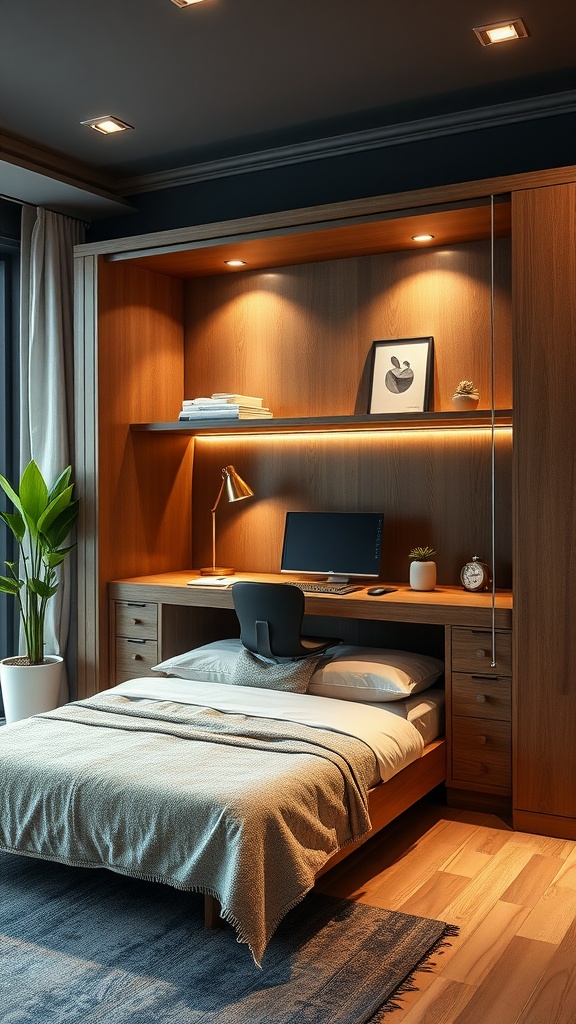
point(79, 945)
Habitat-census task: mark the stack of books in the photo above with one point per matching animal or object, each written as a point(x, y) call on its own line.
point(224, 406)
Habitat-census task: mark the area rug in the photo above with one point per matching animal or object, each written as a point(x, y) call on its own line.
point(80, 945)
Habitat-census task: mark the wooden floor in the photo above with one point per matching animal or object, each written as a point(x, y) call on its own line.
point(512, 895)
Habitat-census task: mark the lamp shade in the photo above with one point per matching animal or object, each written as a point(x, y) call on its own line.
point(236, 488)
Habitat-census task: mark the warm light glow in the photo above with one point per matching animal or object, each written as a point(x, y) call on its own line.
point(235, 263)
point(353, 434)
point(107, 125)
point(501, 31)
point(422, 238)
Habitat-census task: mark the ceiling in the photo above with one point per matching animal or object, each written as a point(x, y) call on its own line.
point(225, 78)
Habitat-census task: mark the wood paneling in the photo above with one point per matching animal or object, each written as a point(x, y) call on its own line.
point(432, 486)
point(300, 337)
point(544, 258)
point(144, 499)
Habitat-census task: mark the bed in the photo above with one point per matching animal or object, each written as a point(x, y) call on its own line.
point(240, 792)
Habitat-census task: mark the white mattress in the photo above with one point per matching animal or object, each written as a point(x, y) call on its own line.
point(395, 731)
point(424, 710)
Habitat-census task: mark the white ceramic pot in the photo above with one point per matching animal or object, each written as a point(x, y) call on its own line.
point(464, 402)
point(422, 575)
point(29, 689)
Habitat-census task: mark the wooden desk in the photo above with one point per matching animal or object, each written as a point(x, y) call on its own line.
point(156, 617)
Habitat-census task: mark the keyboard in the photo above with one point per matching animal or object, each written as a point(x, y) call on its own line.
point(323, 588)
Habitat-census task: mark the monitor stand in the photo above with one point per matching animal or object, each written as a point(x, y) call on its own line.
point(333, 577)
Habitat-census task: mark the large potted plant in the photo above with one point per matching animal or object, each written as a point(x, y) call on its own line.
point(43, 519)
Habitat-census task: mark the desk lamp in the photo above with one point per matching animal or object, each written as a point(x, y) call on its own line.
point(236, 490)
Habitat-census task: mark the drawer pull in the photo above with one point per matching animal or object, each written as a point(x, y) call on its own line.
point(482, 739)
point(480, 653)
point(136, 657)
point(136, 622)
point(134, 640)
point(481, 698)
point(135, 604)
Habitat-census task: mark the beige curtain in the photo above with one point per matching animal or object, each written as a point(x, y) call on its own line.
point(47, 375)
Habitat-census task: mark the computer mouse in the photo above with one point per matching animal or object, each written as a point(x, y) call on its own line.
point(377, 591)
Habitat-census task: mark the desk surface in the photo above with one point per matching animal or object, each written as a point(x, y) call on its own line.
point(444, 605)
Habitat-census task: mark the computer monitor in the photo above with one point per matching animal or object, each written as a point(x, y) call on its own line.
point(333, 544)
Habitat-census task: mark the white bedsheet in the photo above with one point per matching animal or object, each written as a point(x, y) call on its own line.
point(394, 740)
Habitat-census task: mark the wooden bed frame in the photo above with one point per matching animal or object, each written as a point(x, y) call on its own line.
point(385, 802)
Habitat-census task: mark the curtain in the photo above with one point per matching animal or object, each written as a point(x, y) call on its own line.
point(47, 375)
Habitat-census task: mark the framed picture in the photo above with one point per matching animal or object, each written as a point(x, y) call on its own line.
point(401, 375)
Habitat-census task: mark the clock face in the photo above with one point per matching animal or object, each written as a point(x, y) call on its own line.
point(473, 576)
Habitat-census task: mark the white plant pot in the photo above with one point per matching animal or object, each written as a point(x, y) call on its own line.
point(422, 575)
point(464, 402)
point(29, 689)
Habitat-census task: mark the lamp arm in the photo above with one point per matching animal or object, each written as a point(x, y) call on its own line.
point(213, 513)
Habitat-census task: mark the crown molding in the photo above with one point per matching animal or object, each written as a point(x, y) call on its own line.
point(39, 176)
point(497, 115)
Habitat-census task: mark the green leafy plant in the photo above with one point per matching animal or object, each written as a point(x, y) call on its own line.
point(43, 519)
point(425, 554)
point(467, 388)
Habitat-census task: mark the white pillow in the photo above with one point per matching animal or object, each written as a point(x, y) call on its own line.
point(212, 663)
point(345, 672)
point(371, 675)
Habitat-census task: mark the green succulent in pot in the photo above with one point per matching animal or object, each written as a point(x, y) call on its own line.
point(423, 554)
point(43, 519)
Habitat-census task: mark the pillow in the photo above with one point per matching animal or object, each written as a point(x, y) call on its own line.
point(371, 675)
point(365, 674)
point(212, 663)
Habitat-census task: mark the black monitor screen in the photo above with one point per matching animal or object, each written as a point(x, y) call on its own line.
point(333, 543)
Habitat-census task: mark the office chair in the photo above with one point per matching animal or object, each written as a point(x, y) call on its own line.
point(270, 617)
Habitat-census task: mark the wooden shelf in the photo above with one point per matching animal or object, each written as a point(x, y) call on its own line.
point(423, 420)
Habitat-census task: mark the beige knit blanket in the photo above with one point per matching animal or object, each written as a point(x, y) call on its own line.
point(244, 809)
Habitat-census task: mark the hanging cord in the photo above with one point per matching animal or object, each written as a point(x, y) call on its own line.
point(492, 435)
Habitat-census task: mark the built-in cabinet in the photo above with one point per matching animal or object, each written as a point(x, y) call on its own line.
point(161, 318)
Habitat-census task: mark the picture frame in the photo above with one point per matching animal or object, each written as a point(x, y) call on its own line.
point(401, 375)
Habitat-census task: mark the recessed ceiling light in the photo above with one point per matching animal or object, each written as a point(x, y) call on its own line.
point(422, 238)
point(107, 125)
point(186, 3)
point(501, 31)
point(232, 263)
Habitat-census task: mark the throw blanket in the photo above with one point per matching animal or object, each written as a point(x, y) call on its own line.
point(244, 809)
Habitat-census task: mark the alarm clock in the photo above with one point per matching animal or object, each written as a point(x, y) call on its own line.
point(475, 575)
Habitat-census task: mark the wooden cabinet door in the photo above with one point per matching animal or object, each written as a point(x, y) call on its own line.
point(544, 300)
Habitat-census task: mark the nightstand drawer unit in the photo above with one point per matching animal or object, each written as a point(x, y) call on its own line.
point(135, 639)
point(480, 721)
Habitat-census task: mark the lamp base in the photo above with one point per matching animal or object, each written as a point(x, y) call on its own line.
point(217, 570)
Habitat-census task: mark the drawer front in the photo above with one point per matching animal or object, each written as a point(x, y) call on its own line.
point(481, 752)
point(138, 620)
point(478, 696)
point(134, 657)
point(472, 651)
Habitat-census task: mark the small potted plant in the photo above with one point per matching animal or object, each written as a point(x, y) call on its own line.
point(422, 568)
point(466, 395)
point(43, 519)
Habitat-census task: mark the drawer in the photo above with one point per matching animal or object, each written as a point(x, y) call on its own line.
point(481, 752)
point(134, 657)
point(472, 651)
point(481, 696)
point(137, 620)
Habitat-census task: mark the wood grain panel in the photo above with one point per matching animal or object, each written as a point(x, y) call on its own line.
point(432, 486)
point(144, 501)
point(300, 337)
point(472, 652)
point(495, 693)
point(544, 257)
point(481, 752)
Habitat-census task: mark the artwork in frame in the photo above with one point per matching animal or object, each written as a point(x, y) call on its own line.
point(401, 375)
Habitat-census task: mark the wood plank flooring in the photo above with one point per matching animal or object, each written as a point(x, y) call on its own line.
point(512, 895)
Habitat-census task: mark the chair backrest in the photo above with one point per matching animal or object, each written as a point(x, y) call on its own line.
point(270, 617)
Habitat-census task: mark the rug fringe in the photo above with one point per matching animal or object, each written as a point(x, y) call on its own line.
point(427, 964)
